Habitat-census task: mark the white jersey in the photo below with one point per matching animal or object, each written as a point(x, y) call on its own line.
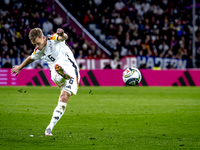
point(57, 52)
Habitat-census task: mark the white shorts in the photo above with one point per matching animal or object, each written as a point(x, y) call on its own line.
point(71, 86)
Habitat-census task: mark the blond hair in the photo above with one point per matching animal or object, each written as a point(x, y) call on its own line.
point(34, 33)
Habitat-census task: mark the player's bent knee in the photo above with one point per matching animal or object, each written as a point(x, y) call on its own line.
point(64, 96)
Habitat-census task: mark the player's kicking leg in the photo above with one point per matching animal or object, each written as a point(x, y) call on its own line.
point(61, 72)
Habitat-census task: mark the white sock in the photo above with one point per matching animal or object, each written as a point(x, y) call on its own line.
point(57, 114)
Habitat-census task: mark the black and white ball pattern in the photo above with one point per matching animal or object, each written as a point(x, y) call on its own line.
point(132, 76)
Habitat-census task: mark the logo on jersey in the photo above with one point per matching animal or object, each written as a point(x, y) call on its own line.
point(35, 51)
point(53, 36)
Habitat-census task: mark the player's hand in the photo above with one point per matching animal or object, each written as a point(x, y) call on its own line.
point(60, 32)
point(15, 69)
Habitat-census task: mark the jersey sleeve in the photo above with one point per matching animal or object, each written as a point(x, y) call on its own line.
point(36, 54)
point(54, 37)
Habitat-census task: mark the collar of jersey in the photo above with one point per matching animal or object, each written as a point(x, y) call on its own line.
point(43, 48)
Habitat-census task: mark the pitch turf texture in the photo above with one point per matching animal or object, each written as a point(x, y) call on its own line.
point(102, 118)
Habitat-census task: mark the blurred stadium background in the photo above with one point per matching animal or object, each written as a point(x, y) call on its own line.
point(114, 34)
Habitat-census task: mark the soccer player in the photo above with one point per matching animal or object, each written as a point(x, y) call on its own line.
point(64, 70)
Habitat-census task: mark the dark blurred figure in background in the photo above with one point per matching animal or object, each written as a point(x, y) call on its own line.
point(7, 65)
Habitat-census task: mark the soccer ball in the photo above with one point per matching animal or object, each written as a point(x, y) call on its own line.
point(132, 76)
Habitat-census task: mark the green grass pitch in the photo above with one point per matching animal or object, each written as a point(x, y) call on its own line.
point(101, 118)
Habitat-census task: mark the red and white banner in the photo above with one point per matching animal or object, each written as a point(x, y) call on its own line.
point(96, 64)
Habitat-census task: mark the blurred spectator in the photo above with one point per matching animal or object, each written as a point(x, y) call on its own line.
point(38, 66)
point(18, 4)
point(198, 58)
point(42, 19)
point(80, 54)
point(7, 2)
point(85, 49)
point(97, 2)
point(118, 20)
point(7, 65)
point(88, 18)
point(98, 55)
point(146, 48)
point(5, 48)
point(47, 27)
point(89, 54)
point(163, 48)
point(81, 67)
point(107, 66)
point(145, 6)
point(58, 20)
point(11, 54)
point(143, 66)
point(119, 5)
point(16, 51)
point(169, 54)
point(112, 42)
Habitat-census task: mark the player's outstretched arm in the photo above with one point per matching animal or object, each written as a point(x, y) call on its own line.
point(17, 69)
point(62, 36)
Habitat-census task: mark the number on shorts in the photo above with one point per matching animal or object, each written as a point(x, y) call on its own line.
point(71, 80)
